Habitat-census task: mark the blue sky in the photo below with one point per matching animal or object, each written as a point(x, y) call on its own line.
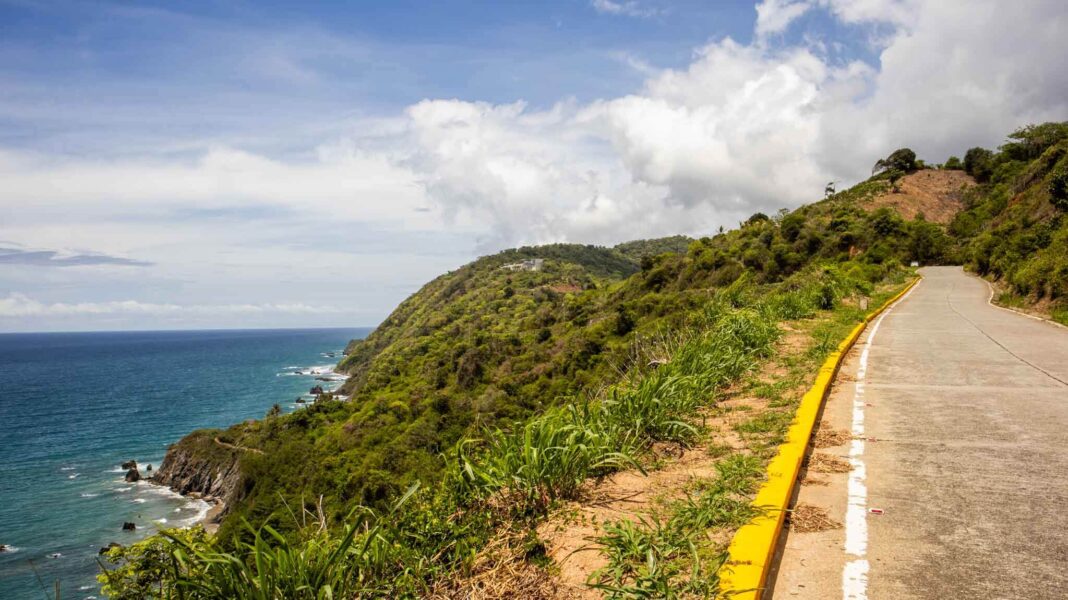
point(232, 164)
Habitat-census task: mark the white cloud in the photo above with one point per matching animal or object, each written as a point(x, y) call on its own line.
point(774, 16)
point(884, 11)
point(340, 180)
point(628, 8)
point(743, 127)
point(17, 305)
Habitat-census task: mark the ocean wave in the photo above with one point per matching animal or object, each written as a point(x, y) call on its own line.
point(162, 520)
point(124, 489)
point(74, 476)
point(139, 500)
point(67, 468)
point(88, 495)
point(161, 490)
point(202, 509)
point(11, 549)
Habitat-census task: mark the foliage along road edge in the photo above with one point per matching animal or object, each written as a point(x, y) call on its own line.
point(751, 550)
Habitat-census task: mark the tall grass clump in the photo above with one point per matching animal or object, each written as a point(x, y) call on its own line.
point(669, 554)
point(552, 455)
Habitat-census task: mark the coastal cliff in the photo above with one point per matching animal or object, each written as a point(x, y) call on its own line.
point(199, 465)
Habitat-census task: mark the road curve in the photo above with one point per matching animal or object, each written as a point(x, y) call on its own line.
point(967, 405)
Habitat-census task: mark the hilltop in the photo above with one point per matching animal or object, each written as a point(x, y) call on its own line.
point(937, 194)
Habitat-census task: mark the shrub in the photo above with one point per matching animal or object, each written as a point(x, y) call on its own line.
point(979, 163)
point(1058, 189)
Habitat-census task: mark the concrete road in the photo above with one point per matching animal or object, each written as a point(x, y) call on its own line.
point(968, 407)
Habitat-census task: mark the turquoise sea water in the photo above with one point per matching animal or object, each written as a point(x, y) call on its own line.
point(73, 406)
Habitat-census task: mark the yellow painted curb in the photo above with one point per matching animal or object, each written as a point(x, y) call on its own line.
point(751, 551)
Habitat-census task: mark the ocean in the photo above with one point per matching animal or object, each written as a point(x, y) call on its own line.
point(74, 406)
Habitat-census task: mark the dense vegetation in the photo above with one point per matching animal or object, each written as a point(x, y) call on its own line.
point(501, 484)
point(1013, 228)
point(640, 249)
point(494, 391)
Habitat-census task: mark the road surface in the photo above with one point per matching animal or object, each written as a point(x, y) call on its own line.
point(968, 407)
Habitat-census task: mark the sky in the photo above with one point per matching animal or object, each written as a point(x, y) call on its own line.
point(281, 164)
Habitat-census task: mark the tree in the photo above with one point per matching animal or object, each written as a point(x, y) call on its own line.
point(953, 164)
point(1058, 190)
point(828, 190)
point(791, 226)
point(927, 242)
point(885, 222)
point(757, 218)
point(274, 411)
point(902, 159)
point(979, 163)
point(1028, 143)
point(895, 175)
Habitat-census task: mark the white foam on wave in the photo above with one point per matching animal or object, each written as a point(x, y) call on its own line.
point(139, 500)
point(162, 520)
point(88, 495)
point(124, 489)
point(160, 490)
point(202, 509)
point(74, 476)
point(67, 468)
point(11, 549)
point(85, 587)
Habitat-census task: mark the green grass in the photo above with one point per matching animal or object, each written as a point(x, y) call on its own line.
point(668, 554)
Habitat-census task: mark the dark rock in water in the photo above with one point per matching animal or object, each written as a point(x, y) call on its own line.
point(149, 469)
point(323, 379)
point(130, 464)
point(300, 400)
point(128, 526)
point(133, 475)
point(105, 549)
point(316, 391)
point(4, 547)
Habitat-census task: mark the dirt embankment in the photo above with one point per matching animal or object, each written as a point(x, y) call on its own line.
point(938, 194)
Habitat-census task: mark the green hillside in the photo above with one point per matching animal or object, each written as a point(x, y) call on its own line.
point(496, 390)
point(1013, 228)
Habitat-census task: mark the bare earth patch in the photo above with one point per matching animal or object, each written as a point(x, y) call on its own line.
point(939, 195)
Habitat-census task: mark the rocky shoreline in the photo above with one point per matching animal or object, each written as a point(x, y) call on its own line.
point(198, 468)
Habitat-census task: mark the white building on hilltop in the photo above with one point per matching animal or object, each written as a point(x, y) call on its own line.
point(532, 264)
